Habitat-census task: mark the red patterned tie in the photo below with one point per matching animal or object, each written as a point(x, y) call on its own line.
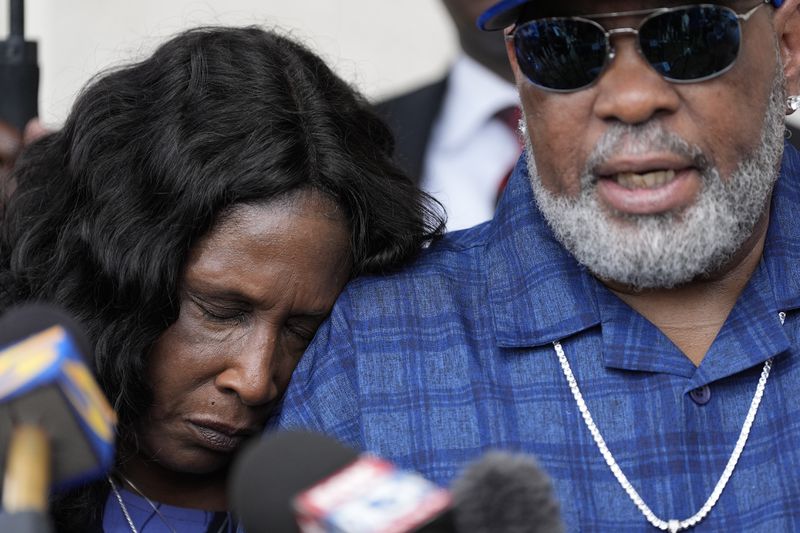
point(510, 117)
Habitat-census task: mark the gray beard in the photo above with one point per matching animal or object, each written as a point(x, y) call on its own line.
point(667, 249)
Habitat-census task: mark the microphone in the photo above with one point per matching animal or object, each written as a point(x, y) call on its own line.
point(304, 482)
point(505, 493)
point(19, 72)
point(297, 481)
point(56, 427)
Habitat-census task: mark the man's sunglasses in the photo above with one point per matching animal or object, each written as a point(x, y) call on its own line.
point(684, 44)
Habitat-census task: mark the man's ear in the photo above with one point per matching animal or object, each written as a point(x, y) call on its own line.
point(787, 28)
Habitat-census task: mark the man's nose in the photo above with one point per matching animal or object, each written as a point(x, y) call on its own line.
point(630, 90)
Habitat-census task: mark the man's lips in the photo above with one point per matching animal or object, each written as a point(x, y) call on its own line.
point(645, 180)
point(642, 164)
point(647, 186)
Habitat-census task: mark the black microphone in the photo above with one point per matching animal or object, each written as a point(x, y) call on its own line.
point(56, 427)
point(19, 72)
point(505, 493)
point(298, 481)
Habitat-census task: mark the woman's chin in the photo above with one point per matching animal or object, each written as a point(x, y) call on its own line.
point(183, 460)
point(197, 462)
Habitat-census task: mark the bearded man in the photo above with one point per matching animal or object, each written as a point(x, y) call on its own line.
point(631, 316)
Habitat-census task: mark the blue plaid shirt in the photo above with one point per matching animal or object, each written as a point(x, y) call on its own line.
point(434, 365)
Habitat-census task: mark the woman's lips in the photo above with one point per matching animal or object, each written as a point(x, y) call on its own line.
point(649, 192)
point(220, 437)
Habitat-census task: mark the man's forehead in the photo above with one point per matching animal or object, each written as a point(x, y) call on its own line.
point(507, 12)
point(549, 8)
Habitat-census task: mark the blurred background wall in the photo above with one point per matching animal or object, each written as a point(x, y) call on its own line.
point(381, 46)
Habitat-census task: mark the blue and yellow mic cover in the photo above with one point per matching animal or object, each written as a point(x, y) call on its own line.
point(44, 380)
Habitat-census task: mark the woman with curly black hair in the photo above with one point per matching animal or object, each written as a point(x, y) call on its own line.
point(199, 213)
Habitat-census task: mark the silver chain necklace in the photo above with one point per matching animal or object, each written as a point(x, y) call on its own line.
point(673, 525)
point(127, 515)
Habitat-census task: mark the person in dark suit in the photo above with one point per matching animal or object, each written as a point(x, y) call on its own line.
point(445, 129)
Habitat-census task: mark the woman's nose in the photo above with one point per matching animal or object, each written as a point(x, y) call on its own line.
point(249, 373)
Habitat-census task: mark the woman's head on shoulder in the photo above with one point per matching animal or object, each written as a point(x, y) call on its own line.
point(203, 208)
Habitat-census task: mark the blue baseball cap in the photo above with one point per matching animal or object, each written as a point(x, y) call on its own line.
point(505, 13)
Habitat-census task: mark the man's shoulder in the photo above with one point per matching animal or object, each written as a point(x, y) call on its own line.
point(457, 259)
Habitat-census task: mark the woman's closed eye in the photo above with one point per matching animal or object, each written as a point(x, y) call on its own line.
point(219, 313)
point(304, 330)
point(226, 315)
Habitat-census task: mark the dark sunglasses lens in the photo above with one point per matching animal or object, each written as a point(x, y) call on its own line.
point(691, 44)
point(560, 54)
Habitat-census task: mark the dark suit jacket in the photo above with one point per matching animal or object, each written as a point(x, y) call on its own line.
point(411, 117)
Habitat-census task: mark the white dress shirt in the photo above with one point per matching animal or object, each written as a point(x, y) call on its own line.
point(470, 151)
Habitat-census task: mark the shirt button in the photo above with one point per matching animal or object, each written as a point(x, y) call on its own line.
point(701, 395)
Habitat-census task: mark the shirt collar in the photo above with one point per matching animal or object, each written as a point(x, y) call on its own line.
point(752, 333)
point(539, 293)
point(474, 95)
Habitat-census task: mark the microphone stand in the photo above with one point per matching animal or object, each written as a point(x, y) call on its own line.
point(19, 72)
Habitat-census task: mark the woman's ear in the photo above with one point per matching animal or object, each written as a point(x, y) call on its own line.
point(787, 27)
